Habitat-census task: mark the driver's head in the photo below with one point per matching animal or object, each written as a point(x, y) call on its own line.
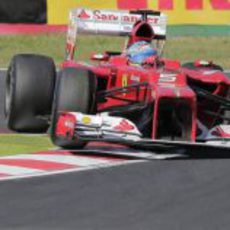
point(139, 51)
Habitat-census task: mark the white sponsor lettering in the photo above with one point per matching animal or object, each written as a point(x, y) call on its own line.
point(209, 72)
point(167, 78)
point(113, 22)
point(135, 78)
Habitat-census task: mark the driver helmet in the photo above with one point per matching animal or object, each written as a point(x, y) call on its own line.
point(139, 51)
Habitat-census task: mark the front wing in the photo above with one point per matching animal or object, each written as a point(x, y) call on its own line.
point(117, 130)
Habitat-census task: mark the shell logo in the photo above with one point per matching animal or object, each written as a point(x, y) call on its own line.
point(124, 80)
point(83, 15)
point(86, 120)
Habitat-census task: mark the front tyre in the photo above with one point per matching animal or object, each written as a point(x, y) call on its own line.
point(75, 91)
point(191, 65)
point(29, 88)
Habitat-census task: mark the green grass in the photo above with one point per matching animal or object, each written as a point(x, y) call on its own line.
point(216, 49)
point(181, 48)
point(198, 30)
point(52, 45)
point(11, 144)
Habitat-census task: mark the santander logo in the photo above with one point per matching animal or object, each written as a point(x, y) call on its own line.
point(83, 15)
point(124, 126)
point(107, 16)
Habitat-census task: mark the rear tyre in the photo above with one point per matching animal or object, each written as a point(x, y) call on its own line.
point(190, 65)
point(75, 91)
point(29, 91)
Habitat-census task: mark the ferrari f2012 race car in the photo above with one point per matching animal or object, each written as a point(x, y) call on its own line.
point(133, 95)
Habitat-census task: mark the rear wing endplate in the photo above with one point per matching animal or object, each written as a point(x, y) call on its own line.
point(109, 22)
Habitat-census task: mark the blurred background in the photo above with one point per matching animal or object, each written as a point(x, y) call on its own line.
point(197, 29)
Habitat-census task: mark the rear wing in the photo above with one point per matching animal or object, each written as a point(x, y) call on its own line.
point(110, 22)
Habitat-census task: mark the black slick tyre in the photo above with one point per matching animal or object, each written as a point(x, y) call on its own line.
point(75, 91)
point(190, 65)
point(29, 88)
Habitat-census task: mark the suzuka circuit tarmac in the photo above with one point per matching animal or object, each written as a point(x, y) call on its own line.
point(155, 194)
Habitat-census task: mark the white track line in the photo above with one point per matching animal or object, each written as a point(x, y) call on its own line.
point(59, 172)
point(18, 170)
point(65, 159)
point(147, 155)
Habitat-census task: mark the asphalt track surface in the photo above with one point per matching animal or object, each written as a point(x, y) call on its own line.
point(173, 194)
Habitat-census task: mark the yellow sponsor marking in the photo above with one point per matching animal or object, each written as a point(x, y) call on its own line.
point(124, 80)
point(86, 120)
point(58, 10)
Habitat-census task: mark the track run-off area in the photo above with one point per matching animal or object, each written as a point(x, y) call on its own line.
point(51, 163)
point(112, 191)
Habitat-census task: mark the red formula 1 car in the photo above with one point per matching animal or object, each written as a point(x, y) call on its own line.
point(130, 95)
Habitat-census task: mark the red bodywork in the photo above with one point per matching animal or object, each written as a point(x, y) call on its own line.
point(162, 84)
